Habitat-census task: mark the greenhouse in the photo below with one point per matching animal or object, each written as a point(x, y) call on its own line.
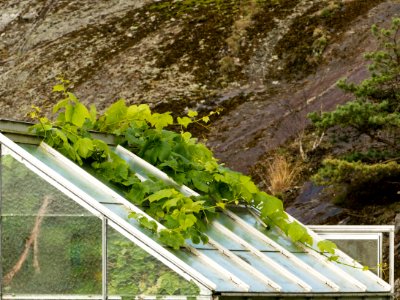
point(67, 235)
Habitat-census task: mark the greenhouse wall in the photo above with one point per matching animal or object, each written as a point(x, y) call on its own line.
point(53, 248)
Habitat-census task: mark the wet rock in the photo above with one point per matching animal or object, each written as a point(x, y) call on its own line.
point(397, 289)
point(397, 224)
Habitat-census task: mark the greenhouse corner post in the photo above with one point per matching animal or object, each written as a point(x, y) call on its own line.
point(104, 257)
point(1, 223)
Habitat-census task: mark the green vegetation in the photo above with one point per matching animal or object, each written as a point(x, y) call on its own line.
point(178, 154)
point(366, 129)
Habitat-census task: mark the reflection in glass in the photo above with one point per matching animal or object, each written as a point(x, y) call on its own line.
point(132, 271)
point(49, 244)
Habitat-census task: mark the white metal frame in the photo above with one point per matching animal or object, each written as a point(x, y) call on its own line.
point(359, 232)
point(342, 257)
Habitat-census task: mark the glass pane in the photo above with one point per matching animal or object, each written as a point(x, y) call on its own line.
point(364, 251)
point(49, 244)
point(132, 271)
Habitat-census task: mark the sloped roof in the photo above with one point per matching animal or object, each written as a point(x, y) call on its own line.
point(242, 256)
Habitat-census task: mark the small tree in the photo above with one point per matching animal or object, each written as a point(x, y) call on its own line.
point(365, 130)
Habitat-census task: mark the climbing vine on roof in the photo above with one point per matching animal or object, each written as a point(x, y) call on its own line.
point(177, 153)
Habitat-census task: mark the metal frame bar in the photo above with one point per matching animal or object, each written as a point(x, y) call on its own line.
point(391, 258)
point(352, 228)
point(104, 257)
point(1, 220)
point(118, 198)
point(81, 197)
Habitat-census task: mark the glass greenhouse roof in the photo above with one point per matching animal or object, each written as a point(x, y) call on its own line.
point(88, 247)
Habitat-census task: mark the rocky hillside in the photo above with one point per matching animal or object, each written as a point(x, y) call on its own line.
point(267, 63)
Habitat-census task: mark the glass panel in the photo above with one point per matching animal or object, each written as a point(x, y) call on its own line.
point(49, 244)
point(241, 232)
point(132, 271)
point(317, 284)
point(343, 282)
point(364, 251)
point(256, 285)
point(68, 173)
point(288, 285)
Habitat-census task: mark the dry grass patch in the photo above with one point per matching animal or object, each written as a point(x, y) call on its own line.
point(281, 175)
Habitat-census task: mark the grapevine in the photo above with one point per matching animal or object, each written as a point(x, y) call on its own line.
point(178, 154)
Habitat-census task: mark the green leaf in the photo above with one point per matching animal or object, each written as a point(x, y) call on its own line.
point(159, 121)
point(84, 147)
point(146, 223)
point(221, 205)
point(60, 104)
point(327, 246)
point(192, 113)
point(59, 88)
point(248, 184)
point(269, 204)
point(79, 115)
point(93, 113)
point(170, 204)
point(186, 221)
point(141, 112)
point(205, 119)
point(115, 113)
point(186, 136)
point(296, 231)
point(72, 97)
point(185, 121)
point(165, 193)
point(172, 239)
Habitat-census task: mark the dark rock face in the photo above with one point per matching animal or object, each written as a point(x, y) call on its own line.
point(267, 63)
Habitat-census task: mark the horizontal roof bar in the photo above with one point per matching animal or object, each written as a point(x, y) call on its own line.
point(352, 228)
